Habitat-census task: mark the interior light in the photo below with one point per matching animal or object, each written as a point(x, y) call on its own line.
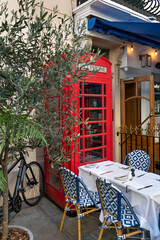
point(156, 53)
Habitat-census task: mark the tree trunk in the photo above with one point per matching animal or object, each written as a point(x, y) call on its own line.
point(5, 196)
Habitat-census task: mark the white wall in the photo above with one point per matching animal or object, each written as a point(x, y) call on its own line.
point(64, 7)
point(132, 59)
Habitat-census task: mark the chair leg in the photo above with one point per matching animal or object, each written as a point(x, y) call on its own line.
point(102, 229)
point(79, 224)
point(64, 214)
point(119, 231)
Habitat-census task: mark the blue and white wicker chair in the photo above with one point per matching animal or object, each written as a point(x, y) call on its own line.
point(115, 214)
point(77, 195)
point(138, 159)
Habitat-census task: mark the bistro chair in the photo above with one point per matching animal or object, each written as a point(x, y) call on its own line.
point(77, 196)
point(118, 216)
point(138, 159)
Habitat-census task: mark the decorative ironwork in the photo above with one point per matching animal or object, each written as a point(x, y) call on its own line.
point(147, 7)
point(150, 6)
point(146, 139)
point(137, 128)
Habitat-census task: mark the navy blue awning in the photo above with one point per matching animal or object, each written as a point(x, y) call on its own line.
point(143, 33)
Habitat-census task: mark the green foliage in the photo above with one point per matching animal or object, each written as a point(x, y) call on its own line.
point(66, 68)
point(24, 45)
point(29, 39)
point(18, 130)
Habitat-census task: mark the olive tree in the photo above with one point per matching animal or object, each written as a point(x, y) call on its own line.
point(39, 60)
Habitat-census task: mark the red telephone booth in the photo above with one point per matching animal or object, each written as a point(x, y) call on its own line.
point(95, 143)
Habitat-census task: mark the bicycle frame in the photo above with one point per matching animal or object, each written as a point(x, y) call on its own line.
point(27, 182)
point(20, 176)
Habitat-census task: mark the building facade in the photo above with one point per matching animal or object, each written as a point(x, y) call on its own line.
point(124, 33)
point(122, 30)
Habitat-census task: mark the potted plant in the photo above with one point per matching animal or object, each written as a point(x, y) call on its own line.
point(28, 42)
point(23, 47)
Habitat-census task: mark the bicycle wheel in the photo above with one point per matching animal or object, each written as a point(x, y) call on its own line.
point(33, 184)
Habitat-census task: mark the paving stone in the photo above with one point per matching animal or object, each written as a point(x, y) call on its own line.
point(44, 220)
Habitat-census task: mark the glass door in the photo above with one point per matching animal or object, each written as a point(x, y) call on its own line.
point(137, 115)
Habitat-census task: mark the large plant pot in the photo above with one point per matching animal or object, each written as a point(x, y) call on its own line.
point(23, 228)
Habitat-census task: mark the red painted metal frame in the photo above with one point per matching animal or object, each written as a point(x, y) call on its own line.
point(105, 79)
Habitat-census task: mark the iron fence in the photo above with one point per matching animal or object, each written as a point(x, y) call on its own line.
point(142, 139)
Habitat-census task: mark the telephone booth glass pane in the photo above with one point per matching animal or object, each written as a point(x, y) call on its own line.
point(92, 88)
point(93, 111)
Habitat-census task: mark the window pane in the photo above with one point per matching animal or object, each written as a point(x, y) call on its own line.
point(81, 130)
point(81, 157)
point(93, 155)
point(54, 180)
point(105, 113)
point(94, 141)
point(104, 101)
point(144, 89)
point(95, 128)
point(130, 90)
point(93, 115)
point(93, 102)
point(80, 88)
point(157, 98)
point(80, 102)
point(92, 88)
point(81, 143)
point(105, 153)
point(145, 111)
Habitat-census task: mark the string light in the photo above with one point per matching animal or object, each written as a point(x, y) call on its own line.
point(131, 47)
point(156, 53)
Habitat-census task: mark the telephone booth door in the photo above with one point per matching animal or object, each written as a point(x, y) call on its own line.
point(94, 105)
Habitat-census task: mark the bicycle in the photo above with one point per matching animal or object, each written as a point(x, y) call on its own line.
point(29, 185)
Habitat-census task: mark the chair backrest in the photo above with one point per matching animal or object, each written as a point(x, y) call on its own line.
point(109, 196)
point(72, 184)
point(69, 182)
point(138, 159)
point(111, 199)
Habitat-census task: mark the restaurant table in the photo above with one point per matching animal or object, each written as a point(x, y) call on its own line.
point(143, 191)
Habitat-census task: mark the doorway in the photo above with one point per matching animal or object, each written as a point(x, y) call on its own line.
point(137, 114)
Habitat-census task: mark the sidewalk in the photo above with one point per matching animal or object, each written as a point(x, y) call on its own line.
point(44, 220)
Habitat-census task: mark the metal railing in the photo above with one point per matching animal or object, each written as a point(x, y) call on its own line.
point(142, 139)
point(139, 126)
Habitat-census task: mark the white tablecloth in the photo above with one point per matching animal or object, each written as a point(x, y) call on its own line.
point(146, 202)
